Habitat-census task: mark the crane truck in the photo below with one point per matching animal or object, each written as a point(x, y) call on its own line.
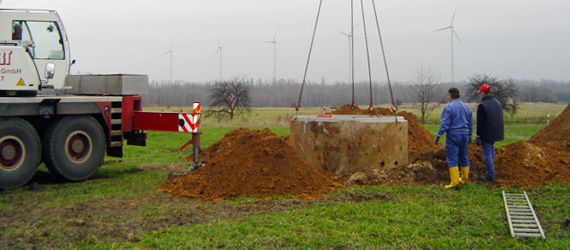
point(69, 122)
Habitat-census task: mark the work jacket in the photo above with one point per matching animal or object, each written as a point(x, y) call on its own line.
point(490, 127)
point(456, 118)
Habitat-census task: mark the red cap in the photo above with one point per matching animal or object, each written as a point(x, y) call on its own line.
point(484, 87)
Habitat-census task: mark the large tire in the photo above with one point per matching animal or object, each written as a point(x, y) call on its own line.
point(20, 152)
point(74, 147)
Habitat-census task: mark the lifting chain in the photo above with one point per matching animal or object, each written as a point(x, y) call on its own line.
point(309, 57)
point(394, 107)
point(371, 107)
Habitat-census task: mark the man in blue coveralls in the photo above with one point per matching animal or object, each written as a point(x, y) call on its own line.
point(457, 123)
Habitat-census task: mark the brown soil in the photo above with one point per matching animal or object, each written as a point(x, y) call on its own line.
point(525, 164)
point(252, 163)
point(261, 164)
point(544, 159)
point(556, 134)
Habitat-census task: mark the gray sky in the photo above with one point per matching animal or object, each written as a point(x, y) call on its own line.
point(521, 39)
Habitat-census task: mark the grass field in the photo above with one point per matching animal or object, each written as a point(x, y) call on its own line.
point(536, 113)
point(120, 208)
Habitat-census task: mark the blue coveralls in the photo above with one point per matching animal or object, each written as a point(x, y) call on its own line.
point(457, 123)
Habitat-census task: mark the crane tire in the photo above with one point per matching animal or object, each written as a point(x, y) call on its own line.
point(74, 147)
point(20, 152)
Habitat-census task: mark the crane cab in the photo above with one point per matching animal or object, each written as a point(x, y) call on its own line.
point(34, 52)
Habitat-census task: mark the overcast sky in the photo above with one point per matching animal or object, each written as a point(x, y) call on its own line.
point(521, 39)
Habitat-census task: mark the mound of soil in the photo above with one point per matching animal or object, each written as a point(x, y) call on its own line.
point(525, 164)
point(419, 138)
point(428, 168)
point(556, 135)
point(252, 163)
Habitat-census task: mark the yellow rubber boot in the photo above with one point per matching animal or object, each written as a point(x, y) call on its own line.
point(464, 175)
point(454, 175)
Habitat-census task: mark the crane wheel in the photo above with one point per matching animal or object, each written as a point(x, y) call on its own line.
point(20, 152)
point(74, 147)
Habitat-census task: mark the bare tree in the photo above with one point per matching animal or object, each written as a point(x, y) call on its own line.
point(505, 91)
point(424, 91)
point(229, 98)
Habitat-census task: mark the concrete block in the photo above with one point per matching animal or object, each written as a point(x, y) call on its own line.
point(346, 144)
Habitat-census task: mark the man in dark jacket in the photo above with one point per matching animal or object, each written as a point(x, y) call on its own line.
point(457, 123)
point(490, 128)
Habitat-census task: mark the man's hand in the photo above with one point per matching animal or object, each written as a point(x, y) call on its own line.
point(436, 139)
point(478, 140)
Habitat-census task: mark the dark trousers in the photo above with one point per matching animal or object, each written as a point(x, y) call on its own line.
point(488, 156)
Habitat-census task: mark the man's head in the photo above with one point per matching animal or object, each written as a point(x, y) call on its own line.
point(485, 89)
point(453, 93)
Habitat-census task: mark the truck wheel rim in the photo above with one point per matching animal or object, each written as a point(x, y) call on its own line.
point(12, 153)
point(78, 147)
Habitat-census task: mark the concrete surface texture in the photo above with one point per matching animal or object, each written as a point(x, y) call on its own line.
point(345, 144)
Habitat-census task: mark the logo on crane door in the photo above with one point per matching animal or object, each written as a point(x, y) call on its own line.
point(5, 57)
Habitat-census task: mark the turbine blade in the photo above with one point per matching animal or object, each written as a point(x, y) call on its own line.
point(275, 36)
point(448, 27)
point(342, 33)
point(352, 30)
point(456, 36)
point(453, 17)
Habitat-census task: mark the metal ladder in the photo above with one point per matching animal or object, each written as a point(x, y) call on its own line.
point(522, 219)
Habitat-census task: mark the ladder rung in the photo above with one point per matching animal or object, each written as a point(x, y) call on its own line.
point(529, 235)
point(525, 225)
point(524, 221)
point(116, 144)
point(521, 214)
point(526, 230)
point(116, 121)
point(521, 217)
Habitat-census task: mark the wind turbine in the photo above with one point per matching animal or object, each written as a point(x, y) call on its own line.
point(220, 50)
point(170, 52)
point(452, 33)
point(274, 42)
point(350, 56)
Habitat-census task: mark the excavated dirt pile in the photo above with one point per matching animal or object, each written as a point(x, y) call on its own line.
point(545, 158)
point(252, 163)
point(526, 164)
point(556, 135)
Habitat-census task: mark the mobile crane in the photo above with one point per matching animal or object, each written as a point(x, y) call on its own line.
point(67, 121)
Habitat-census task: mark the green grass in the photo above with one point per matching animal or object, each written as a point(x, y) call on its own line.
point(527, 112)
point(416, 218)
point(425, 217)
point(513, 132)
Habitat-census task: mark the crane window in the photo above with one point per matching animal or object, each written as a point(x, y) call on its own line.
point(45, 35)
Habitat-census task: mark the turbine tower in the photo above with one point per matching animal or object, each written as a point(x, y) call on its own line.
point(274, 42)
point(350, 57)
point(220, 50)
point(170, 52)
point(452, 33)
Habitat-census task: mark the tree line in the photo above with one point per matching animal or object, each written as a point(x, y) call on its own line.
point(285, 92)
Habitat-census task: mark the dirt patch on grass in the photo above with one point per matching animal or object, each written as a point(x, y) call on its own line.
point(252, 163)
point(37, 225)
